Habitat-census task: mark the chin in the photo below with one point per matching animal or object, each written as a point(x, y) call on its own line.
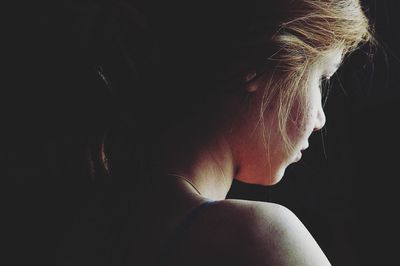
point(272, 179)
point(266, 177)
point(277, 177)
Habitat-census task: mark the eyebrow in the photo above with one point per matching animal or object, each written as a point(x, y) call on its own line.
point(334, 69)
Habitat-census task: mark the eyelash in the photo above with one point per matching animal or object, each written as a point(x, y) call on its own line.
point(324, 88)
point(324, 82)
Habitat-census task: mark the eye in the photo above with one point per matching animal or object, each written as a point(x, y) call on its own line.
point(324, 88)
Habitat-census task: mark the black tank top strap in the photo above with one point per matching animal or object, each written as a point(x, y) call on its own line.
point(175, 239)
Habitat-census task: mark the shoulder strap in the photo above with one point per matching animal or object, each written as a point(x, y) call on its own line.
point(174, 240)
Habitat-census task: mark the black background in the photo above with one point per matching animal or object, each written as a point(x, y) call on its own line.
point(344, 189)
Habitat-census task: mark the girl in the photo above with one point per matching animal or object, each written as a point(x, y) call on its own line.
point(226, 90)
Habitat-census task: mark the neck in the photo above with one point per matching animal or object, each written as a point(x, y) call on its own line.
point(203, 157)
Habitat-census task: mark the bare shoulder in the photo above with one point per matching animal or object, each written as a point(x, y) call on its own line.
point(280, 237)
point(239, 232)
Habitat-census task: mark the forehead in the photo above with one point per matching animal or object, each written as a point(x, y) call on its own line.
point(330, 62)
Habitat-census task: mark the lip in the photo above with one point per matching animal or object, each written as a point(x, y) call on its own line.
point(306, 147)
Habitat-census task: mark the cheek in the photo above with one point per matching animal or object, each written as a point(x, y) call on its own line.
point(301, 123)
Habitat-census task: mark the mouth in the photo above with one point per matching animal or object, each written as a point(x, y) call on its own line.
point(306, 147)
point(299, 154)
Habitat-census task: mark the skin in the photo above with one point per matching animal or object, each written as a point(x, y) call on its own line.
point(267, 163)
point(232, 232)
point(233, 146)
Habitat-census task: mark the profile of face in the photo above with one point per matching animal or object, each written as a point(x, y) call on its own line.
point(266, 164)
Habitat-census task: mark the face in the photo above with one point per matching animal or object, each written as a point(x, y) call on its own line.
point(266, 164)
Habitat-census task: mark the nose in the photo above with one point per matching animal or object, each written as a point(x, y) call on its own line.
point(320, 120)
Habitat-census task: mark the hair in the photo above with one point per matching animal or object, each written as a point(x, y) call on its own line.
point(115, 73)
point(308, 31)
point(212, 49)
